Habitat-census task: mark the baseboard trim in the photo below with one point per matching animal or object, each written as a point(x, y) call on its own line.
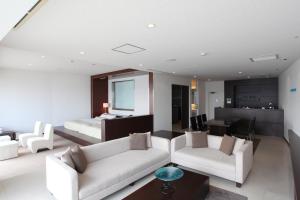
point(287, 142)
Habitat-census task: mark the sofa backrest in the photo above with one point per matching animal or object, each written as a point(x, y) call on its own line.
point(106, 149)
point(214, 142)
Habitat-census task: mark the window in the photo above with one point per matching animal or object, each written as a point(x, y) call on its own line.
point(123, 95)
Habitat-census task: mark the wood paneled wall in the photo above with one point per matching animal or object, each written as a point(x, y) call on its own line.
point(255, 93)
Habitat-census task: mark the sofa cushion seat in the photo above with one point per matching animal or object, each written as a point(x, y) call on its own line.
point(207, 158)
point(106, 172)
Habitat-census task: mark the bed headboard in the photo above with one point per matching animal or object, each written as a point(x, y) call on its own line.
point(122, 127)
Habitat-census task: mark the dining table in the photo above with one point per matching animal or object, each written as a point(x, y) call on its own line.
point(222, 127)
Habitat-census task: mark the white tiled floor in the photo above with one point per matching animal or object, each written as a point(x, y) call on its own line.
point(270, 178)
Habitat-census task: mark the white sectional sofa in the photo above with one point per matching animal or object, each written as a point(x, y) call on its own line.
point(212, 161)
point(111, 166)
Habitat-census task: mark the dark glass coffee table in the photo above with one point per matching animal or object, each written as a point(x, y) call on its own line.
point(191, 186)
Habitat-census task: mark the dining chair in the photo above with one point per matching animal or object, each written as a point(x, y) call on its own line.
point(201, 125)
point(194, 123)
point(204, 118)
point(247, 129)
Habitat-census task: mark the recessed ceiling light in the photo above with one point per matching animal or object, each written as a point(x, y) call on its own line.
point(248, 77)
point(173, 72)
point(151, 25)
point(203, 53)
point(82, 52)
point(240, 72)
point(141, 65)
point(195, 76)
point(43, 57)
point(29, 64)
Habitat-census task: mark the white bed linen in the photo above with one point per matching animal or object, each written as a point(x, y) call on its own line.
point(89, 127)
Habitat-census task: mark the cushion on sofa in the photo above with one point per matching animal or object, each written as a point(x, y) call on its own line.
point(108, 171)
point(138, 141)
point(188, 137)
point(149, 142)
point(66, 157)
point(79, 159)
point(227, 144)
point(199, 140)
point(238, 144)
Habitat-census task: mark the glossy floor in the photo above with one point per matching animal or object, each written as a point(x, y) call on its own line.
point(270, 179)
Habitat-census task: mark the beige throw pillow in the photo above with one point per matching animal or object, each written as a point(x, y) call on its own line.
point(66, 158)
point(79, 159)
point(188, 137)
point(227, 144)
point(149, 142)
point(138, 141)
point(199, 140)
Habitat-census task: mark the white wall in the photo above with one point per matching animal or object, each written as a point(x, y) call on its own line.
point(141, 98)
point(162, 85)
point(27, 96)
point(213, 100)
point(290, 101)
point(202, 97)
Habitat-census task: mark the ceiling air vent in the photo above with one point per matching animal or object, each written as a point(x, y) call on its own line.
point(128, 49)
point(265, 58)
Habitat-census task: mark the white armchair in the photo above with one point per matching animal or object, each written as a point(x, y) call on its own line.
point(38, 131)
point(46, 141)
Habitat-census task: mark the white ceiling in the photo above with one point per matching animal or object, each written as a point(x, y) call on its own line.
point(229, 31)
point(11, 11)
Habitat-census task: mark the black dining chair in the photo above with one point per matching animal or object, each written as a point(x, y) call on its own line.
point(201, 125)
point(247, 129)
point(204, 118)
point(194, 123)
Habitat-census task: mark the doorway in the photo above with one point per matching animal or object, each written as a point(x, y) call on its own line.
point(215, 100)
point(180, 107)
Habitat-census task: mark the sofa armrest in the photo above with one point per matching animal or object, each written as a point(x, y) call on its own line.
point(62, 180)
point(160, 143)
point(178, 143)
point(244, 161)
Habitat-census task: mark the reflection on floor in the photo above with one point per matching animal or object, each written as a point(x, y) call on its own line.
point(270, 178)
point(176, 126)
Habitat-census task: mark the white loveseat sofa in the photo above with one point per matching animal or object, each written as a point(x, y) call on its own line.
point(111, 166)
point(212, 161)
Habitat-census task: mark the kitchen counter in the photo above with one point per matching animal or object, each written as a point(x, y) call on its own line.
point(268, 121)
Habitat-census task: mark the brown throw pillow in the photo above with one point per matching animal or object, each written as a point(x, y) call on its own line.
point(227, 144)
point(66, 158)
point(138, 141)
point(79, 159)
point(199, 140)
